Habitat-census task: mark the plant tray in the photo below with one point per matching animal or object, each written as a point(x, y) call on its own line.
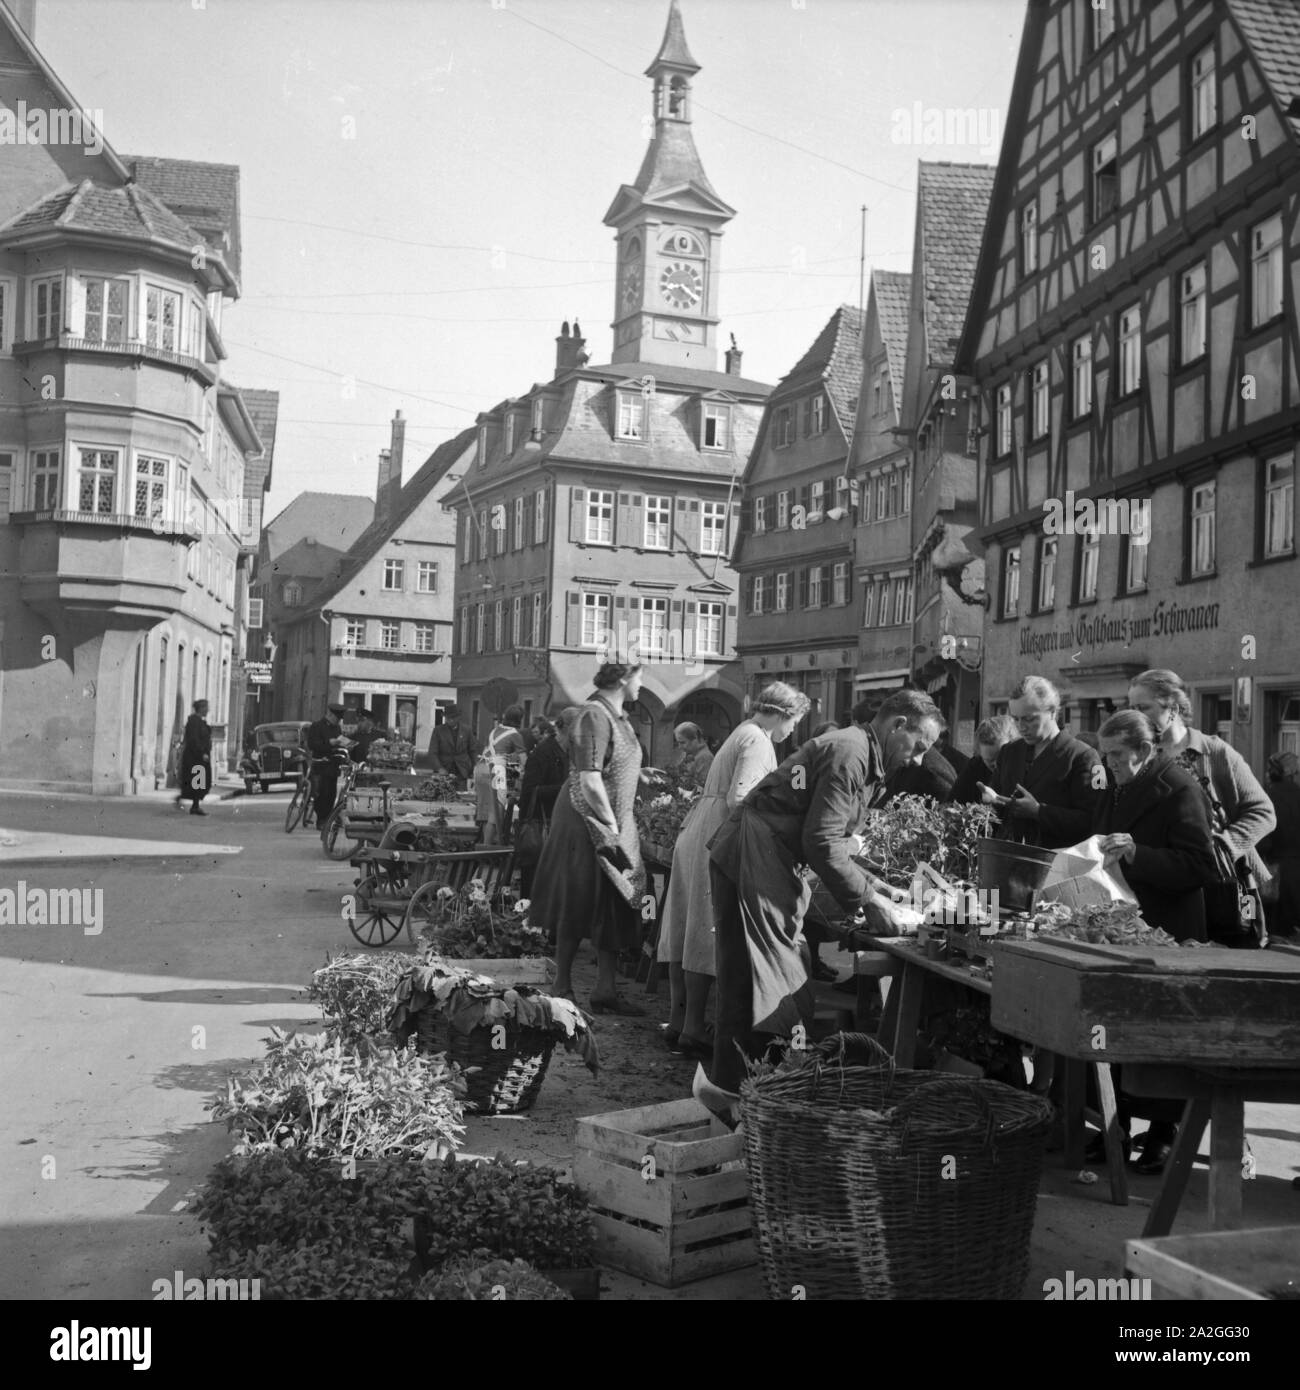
point(1257, 1265)
point(668, 1191)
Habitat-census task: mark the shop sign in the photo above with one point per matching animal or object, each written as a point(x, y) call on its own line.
point(258, 672)
point(1093, 631)
point(379, 688)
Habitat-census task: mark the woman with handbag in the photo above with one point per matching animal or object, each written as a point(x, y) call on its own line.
point(1154, 824)
point(1240, 812)
point(545, 774)
point(590, 880)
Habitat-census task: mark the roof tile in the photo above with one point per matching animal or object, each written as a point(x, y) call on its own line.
point(952, 206)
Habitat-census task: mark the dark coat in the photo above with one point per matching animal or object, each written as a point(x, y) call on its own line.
point(959, 760)
point(196, 759)
point(1061, 780)
point(1164, 811)
point(319, 735)
point(935, 777)
point(452, 749)
point(965, 792)
point(545, 772)
point(816, 799)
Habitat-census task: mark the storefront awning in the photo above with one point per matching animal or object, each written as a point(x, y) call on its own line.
point(880, 680)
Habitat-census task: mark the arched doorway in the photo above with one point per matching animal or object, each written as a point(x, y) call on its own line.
point(712, 714)
point(646, 713)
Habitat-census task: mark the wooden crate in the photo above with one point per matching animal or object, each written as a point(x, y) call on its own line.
point(1218, 1264)
point(690, 1218)
point(1206, 1005)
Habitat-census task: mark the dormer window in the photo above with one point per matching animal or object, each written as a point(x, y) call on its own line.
point(814, 414)
point(783, 428)
point(510, 433)
point(292, 595)
point(482, 445)
point(717, 427)
point(539, 414)
point(631, 415)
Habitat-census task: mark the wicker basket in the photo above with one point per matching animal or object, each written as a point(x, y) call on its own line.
point(504, 1080)
point(872, 1183)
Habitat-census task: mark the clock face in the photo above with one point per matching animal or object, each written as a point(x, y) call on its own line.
point(632, 286)
point(681, 285)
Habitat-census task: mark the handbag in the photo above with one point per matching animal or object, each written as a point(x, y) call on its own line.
point(1234, 906)
point(530, 837)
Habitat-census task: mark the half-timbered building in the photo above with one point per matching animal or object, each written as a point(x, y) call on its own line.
point(1133, 337)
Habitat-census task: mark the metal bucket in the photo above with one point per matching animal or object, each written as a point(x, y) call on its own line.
point(1016, 872)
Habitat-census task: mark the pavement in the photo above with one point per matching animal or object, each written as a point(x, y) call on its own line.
point(116, 1040)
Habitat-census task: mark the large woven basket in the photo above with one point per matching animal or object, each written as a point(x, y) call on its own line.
point(868, 1182)
point(499, 1080)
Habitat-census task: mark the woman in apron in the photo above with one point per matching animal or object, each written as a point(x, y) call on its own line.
point(501, 755)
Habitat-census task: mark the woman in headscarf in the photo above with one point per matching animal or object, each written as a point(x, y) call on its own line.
point(196, 759)
point(686, 934)
point(590, 880)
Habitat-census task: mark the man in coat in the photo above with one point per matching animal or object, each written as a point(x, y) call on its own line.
point(805, 815)
point(328, 747)
point(452, 749)
point(1047, 785)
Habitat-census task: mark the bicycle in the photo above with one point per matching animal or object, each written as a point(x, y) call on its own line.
point(338, 844)
point(302, 804)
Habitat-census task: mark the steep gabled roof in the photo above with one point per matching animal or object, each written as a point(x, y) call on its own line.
point(264, 407)
point(1271, 32)
point(952, 209)
point(333, 518)
point(427, 477)
point(205, 195)
point(893, 293)
point(835, 359)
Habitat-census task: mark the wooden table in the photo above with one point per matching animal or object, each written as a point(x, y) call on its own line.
point(1210, 1026)
point(902, 1017)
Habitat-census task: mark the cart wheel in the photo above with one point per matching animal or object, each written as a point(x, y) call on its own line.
point(338, 843)
point(422, 911)
point(294, 812)
point(373, 926)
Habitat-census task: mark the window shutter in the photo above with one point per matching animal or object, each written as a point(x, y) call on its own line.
point(690, 629)
point(530, 512)
point(623, 520)
point(826, 586)
point(577, 514)
point(572, 618)
point(636, 522)
point(730, 539)
point(254, 613)
point(677, 620)
point(693, 537)
point(805, 498)
point(747, 516)
point(678, 536)
point(803, 588)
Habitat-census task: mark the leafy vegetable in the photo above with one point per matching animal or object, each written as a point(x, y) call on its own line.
point(471, 1001)
point(467, 926)
point(355, 993)
point(912, 829)
point(355, 1100)
point(480, 1279)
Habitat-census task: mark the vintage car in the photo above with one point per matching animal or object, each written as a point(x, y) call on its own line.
point(278, 754)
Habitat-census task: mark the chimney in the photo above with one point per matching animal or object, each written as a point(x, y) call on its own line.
point(389, 485)
point(733, 357)
point(569, 348)
point(24, 11)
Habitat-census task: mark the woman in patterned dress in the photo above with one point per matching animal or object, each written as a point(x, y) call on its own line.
point(590, 879)
point(686, 936)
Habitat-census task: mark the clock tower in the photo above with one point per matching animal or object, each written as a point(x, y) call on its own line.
point(668, 226)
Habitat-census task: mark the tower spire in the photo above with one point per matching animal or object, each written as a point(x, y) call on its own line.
point(673, 52)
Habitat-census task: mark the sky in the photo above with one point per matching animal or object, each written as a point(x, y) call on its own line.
point(423, 181)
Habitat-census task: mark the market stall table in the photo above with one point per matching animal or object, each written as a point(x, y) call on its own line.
point(1209, 1026)
point(910, 968)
